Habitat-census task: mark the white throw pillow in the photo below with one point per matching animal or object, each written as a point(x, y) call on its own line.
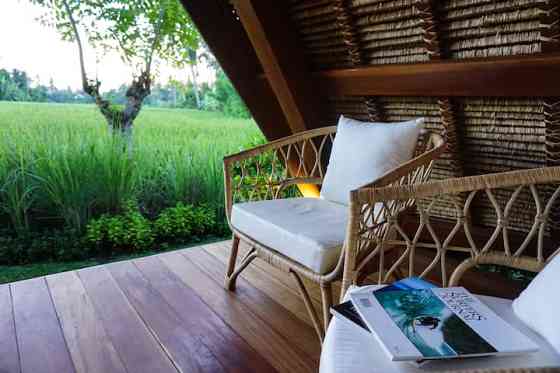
point(364, 151)
point(539, 304)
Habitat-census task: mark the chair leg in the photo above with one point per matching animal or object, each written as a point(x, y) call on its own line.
point(327, 300)
point(309, 306)
point(229, 284)
point(231, 280)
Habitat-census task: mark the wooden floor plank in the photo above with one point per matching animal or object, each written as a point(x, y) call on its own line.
point(281, 319)
point(232, 351)
point(40, 340)
point(278, 291)
point(137, 347)
point(9, 356)
point(184, 346)
point(89, 345)
point(166, 313)
point(285, 357)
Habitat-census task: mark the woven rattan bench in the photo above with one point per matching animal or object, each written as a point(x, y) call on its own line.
point(277, 171)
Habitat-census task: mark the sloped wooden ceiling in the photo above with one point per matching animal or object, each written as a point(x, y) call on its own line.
point(484, 72)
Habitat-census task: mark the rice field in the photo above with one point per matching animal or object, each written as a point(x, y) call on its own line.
point(59, 166)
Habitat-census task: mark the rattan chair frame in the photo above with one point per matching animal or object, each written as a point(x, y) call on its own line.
point(304, 155)
point(371, 239)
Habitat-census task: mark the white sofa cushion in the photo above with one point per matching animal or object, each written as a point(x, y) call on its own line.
point(348, 349)
point(538, 306)
point(310, 231)
point(364, 151)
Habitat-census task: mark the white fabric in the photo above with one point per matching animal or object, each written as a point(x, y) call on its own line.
point(310, 231)
point(347, 349)
point(364, 151)
point(538, 305)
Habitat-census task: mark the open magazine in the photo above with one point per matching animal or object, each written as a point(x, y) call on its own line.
point(347, 312)
point(436, 323)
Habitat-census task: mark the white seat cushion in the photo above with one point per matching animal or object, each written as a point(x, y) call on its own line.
point(309, 231)
point(364, 151)
point(538, 307)
point(347, 349)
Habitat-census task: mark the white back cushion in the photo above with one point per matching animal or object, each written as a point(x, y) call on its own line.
point(364, 151)
point(538, 306)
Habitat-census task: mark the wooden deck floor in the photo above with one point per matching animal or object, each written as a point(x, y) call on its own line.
point(164, 313)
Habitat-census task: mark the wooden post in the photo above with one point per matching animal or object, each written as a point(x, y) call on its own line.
point(277, 47)
point(218, 24)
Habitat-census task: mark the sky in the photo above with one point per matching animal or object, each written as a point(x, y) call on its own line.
point(27, 45)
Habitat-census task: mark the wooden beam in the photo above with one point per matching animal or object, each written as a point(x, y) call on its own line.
point(276, 45)
point(492, 77)
point(225, 36)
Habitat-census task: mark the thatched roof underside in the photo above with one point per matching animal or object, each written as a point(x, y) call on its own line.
point(494, 134)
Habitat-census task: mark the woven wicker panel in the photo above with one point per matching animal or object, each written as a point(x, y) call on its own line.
point(398, 109)
point(503, 135)
point(484, 28)
point(351, 107)
point(320, 35)
point(388, 32)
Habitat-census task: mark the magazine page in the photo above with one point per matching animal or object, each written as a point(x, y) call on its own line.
point(491, 328)
point(382, 326)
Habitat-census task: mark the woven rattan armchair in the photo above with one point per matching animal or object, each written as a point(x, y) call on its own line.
point(285, 168)
point(393, 249)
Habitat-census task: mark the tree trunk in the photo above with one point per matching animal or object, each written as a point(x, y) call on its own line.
point(195, 86)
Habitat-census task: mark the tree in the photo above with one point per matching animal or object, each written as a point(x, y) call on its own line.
point(14, 85)
point(140, 30)
point(193, 65)
point(230, 102)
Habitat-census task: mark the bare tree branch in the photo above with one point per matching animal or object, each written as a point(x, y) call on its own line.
point(141, 86)
point(156, 40)
point(88, 87)
point(85, 82)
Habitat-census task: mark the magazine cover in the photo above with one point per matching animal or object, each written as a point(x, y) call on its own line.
point(437, 324)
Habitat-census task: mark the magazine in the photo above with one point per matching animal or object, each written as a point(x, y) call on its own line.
point(437, 323)
point(347, 312)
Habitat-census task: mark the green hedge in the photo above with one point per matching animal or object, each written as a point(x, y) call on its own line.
point(112, 235)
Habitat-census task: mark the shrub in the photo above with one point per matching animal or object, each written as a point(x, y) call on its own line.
point(129, 231)
point(52, 245)
point(185, 222)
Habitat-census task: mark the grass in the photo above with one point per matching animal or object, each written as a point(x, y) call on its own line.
point(59, 161)
point(59, 166)
point(23, 272)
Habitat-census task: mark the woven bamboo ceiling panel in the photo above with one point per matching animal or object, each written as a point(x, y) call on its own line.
point(493, 134)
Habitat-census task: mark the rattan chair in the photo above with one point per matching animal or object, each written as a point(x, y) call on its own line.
point(393, 249)
point(283, 168)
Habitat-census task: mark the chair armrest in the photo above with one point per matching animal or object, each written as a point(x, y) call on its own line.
point(268, 171)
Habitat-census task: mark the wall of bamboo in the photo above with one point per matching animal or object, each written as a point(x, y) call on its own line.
point(493, 134)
